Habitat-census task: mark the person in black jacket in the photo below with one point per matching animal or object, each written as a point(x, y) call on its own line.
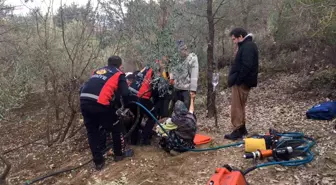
point(163, 88)
point(242, 77)
point(99, 99)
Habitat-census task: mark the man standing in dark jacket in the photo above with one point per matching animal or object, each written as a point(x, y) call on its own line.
point(243, 76)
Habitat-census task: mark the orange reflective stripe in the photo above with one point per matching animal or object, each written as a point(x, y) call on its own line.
point(145, 89)
point(108, 90)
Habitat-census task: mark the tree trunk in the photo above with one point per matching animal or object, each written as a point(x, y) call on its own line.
point(48, 134)
point(56, 106)
point(223, 45)
point(163, 17)
point(211, 97)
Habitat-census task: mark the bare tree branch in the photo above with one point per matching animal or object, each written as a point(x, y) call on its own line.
point(10, 29)
point(21, 146)
point(75, 131)
point(221, 3)
point(64, 42)
point(191, 13)
point(121, 9)
point(88, 61)
point(108, 9)
point(118, 44)
point(198, 29)
point(219, 19)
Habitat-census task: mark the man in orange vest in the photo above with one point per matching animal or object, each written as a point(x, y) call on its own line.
point(99, 99)
point(143, 86)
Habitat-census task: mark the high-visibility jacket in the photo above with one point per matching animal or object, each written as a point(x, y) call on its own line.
point(103, 85)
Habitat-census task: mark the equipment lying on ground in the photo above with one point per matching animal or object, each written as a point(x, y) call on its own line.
point(322, 111)
point(227, 176)
point(286, 149)
point(200, 139)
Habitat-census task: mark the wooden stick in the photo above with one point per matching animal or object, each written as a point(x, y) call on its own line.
point(216, 118)
point(6, 170)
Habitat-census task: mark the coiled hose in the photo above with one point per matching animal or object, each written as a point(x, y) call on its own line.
point(305, 150)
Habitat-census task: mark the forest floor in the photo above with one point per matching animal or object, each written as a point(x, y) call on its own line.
point(275, 103)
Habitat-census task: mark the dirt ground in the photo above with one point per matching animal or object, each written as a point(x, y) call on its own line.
point(273, 104)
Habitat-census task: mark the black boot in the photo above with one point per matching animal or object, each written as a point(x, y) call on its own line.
point(127, 153)
point(243, 130)
point(236, 134)
point(100, 166)
point(147, 133)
